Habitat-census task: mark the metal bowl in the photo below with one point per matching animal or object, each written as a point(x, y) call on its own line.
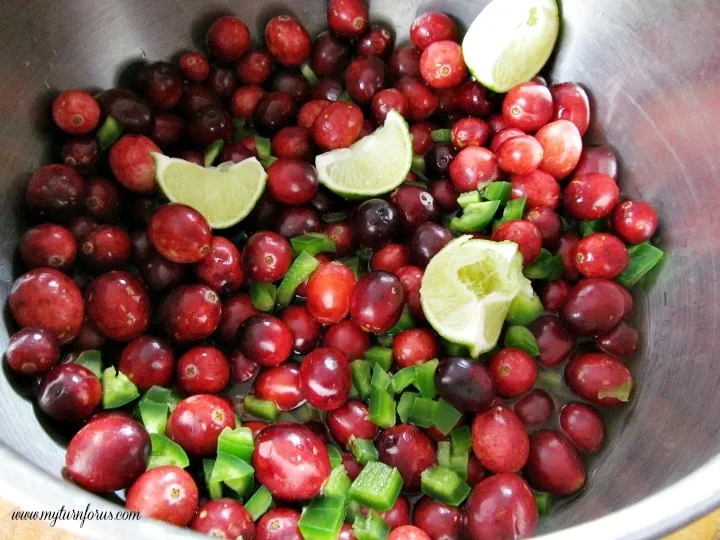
point(653, 69)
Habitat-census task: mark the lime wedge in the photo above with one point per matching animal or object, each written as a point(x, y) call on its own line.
point(224, 195)
point(376, 164)
point(467, 289)
point(509, 42)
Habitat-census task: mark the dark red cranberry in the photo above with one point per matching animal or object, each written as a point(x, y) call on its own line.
point(404, 62)
point(562, 145)
point(440, 521)
point(597, 159)
point(108, 453)
point(386, 100)
point(227, 38)
point(601, 255)
point(431, 27)
point(196, 423)
point(245, 100)
point(501, 506)
point(341, 233)
point(203, 370)
point(291, 181)
point(571, 103)
point(210, 124)
point(409, 449)
point(525, 234)
point(427, 240)
point(377, 41)
point(327, 89)
point(254, 67)
point(415, 206)
point(535, 408)
point(106, 247)
point(350, 420)
point(497, 124)
point(194, 66)
point(475, 471)
point(265, 340)
point(553, 294)
point(221, 268)
point(499, 440)
point(583, 425)
point(159, 273)
point(166, 493)
point(82, 225)
point(590, 196)
point(131, 111)
point(444, 194)
point(235, 311)
point(329, 292)
point(294, 143)
point(161, 83)
point(390, 258)
point(55, 191)
point(442, 64)
point(422, 101)
point(554, 466)
point(148, 361)
point(180, 233)
point(465, 384)
point(330, 55)
point(410, 278)
point(620, 341)
point(600, 379)
point(292, 82)
point(469, 132)
point(365, 77)
point(377, 301)
point(281, 385)
point(414, 346)
point(69, 392)
point(375, 222)
point(548, 223)
point(102, 198)
point(196, 98)
point(595, 305)
point(76, 112)
point(279, 524)
point(528, 106)
point(567, 249)
point(32, 351)
point(274, 111)
point(472, 168)
point(131, 163)
point(242, 369)
point(352, 467)
point(325, 378)
point(297, 220)
point(235, 152)
point(82, 154)
point(190, 313)
point(224, 517)
point(397, 517)
point(291, 461)
point(422, 139)
point(635, 221)
point(48, 245)
point(222, 81)
point(305, 331)
point(287, 40)
point(553, 339)
point(348, 18)
point(474, 99)
point(347, 338)
point(89, 338)
point(46, 298)
point(513, 372)
point(267, 256)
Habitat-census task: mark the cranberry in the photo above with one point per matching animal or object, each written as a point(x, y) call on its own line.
point(180, 233)
point(325, 378)
point(422, 101)
point(534, 408)
point(310, 111)
point(209, 124)
point(590, 196)
point(442, 64)
point(497, 124)
point(102, 199)
point(222, 81)
point(427, 240)
point(562, 145)
point(32, 351)
point(410, 278)
point(415, 206)
point(473, 99)
point(375, 223)
point(118, 305)
point(347, 338)
point(583, 425)
point(108, 453)
point(410, 450)
point(528, 106)
point(106, 247)
point(194, 66)
point(293, 143)
point(414, 346)
point(404, 62)
point(166, 493)
point(439, 520)
point(398, 516)
point(242, 369)
point(553, 294)
point(81, 226)
point(473, 167)
point(132, 112)
point(620, 341)
point(291, 181)
point(235, 310)
point(408, 532)
point(341, 233)
point(540, 188)
point(267, 256)
point(287, 40)
point(439, 159)
point(386, 100)
point(444, 194)
point(254, 67)
point(55, 191)
point(76, 112)
point(469, 132)
point(48, 245)
point(305, 331)
point(571, 103)
point(46, 298)
point(203, 370)
point(520, 155)
point(553, 339)
point(161, 82)
point(279, 524)
point(390, 258)
point(377, 41)
point(297, 220)
point(82, 154)
point(255, 426)
point(431, 27)
point(503, 136)
point(597, 159)
point(196, 423)
point(190, 313)
point(601, 255)
point(265, 340)
point(348, 420)
point(196, 98)
point(221, 268)
point(465, 384)
point(352, 467)
point(348, 18)
point(595, 305)
point(599, 378)
point(501, 506)
point(89, 338)
point(224, 517)
point(554, 466)
point(227, 38)
point(281, 385)
point(330, 55)
point(291, 461)
point(148, 361)
point(365, 77)
point(513, 371)
point(273, 112)
point(159, 273)
point(69, 392)
point(525, 234)
point(193, 156)
point(635, 221)
point(499, 440)
point(567, 249)
point(548, 223)
point(475, 471)
point(377, 301)
point(131, 163)
point(292, 82)
point(245, 100)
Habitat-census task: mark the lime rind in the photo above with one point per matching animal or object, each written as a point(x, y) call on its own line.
point(224, 195)
point(374, 165)
point(467, 290)
point(510, 41)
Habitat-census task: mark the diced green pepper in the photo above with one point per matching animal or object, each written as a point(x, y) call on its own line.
point(370, 527)
point(461, 440)
point(476, 217)
point(524, 309)
point(109, 132)
point(543, 501)
point(467, 198)
point(454, 349)
point(382, 408)
point(385, 340)
point(154, 416)
point(118, 390)
point(301, 268)
point(403, 378)
point(308, 73)
point(586, 228)
point(377, 486)
point(547, 266)
point(405, 405)
point(260, 408)
point(405, 322)
point(262, 295)
point(444, 484)
point(353, 263)
point(334, 217)
point(234, 472)
point(381, 356)
point(514, 209)
point(418, 164)
point(263, 146)
point(337, 484)
point(91, 360)
point(363, 450)
point(334, 455)
point(446, 416)
point(353, 509)
point(497, 191)
point(643, 258)
point(313, 243)
point(345, 96)
point(360, 374)
point(214, 487)
point(323, 518)
point(212, 152)
point(441, 135)
point(423, 412)
point(163, 451)
point(425, 378)
point(260, 502)
point(522, 338)
point(444, 453)
point(237, 442)
point(380, 379)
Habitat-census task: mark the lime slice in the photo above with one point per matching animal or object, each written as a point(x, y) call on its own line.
point(509, 42)
point(224, 194)
point(374, 165)
point(467, 289)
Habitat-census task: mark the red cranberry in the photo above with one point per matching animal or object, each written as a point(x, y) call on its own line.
point(161, 82)
point(525, 234)
point(132, 112)
point(473, 99)
point(520, 155)
point(567, 249)
point(82, 154)
point(235, 310)
point(221, 269)
point(620, 341)
point(83, 225)
point(601, 255)
point(222, 81)
point(414, 346)
point(292, 82)
point(255, 427)
point(442, 64)
point(281, 385)
point(293, 142)
point(590, 196)
point(404, 62)
point(291, 461)
point(89, 338)
point(242, 369)
point(330, 55)
point(131, 163)
point(562, 145)
point(245, 100)
point(534, 408)
point(635, 221)
point(422, 101)
point(341, 233)
point(440, 521)
point(469, 132)
point(337, 126)
point(408, 449)
point(377, 41)
point(305, 331)
point(390, 258)
point(108, 453)
point(325, 379)
point(329, 292)
point(427, 240)
point(597, 159)
point(194, 66)
point(502, 136)
point(465, 384)
point(69, 392)
point(165, 493)
point(350, 420)
point(148, 361)
point(118, 305)
point(291, 181)
point(227, 38)
point(310, 111)
point(48, 245)
point(472, 168)
point(102, 199)
point(76, 112)
point(415, 206)
point(196, 423)
point(279, 524)
point(287, 40)
point(377, 301)
point(352, 467)
point(224, 517)
point(553, 294)
point(408, 532)
point(497, 124)
point(254, 67)
point(475, 471)
point(386, 100)
point(444, 194)
point(422, 136)
point(55, 191)
point(571, 103)
point(196, 98)
point(528, 106)
point(348, 18)
point(595, 305)
point(203, 370)
point(410, 278)
point(106, 247)
point(46, 298)
point(398, 516)
point(159, 273)
point(554, 466)
point(499, 440)
point(501, 506)
point(347, 338)
point(296, 220)
point(32, 351)
point(265, 340)
point(583, 425)
point(513, 371)
point(209, 124)
point(554, 341)
point(599, 378)
point(267, 256)
point(548, 223)
point(431, 27)
point(190, 313)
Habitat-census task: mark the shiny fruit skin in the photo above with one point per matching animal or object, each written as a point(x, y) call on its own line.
point(554, 466)
point(190, 313)
point(499, 440)
point(325, 379)
point(32, 351)
point(377, 301)
point(165, 493)
point(196, 423)
point(600, 379)
point(69, 393)
point(409, 449)
point(265, 340)
point(118, 305)
point(329, 292)
point(226, 516)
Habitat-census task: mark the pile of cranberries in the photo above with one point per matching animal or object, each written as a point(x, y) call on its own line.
point(111, 266)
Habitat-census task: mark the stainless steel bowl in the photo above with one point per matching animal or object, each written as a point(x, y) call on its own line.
point(653, 69)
